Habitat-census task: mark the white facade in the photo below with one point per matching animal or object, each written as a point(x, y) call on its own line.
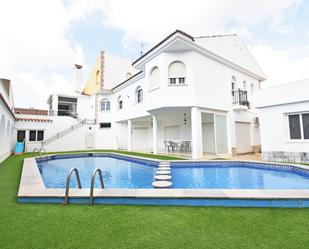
point(7, 119)
point(284, 117)
point(187, 89)
point(205, 100)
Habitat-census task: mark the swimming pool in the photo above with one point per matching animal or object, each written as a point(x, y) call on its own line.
point(117, 173)
point(238, 175)
point(122, 172)
point(128, 180)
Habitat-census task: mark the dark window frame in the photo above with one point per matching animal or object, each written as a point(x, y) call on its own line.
point(31, 138)
point(120, 104)
point(299, 130)
point(40, 137)
point(105, 125)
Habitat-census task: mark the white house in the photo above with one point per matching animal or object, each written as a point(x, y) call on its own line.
point(189, 94)
point(7, 119)
point(284, 117)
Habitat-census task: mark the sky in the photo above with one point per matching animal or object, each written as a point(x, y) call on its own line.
point(40, 41)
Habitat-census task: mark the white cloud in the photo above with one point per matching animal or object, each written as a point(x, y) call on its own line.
point(279, 66)
point(147, 22)
point(150, 23)
point(35, 42)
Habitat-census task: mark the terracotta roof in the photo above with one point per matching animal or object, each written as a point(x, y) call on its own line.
point(35, 120)
point(127, 80)
point(30, 111)
point(165, 39)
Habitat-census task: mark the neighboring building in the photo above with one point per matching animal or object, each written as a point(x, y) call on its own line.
point(193, 89)
point(284, 117)
point(7, 119)
point(108, 70)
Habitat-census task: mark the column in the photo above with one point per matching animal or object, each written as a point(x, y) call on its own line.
point(196, 133)
point(129, 135)
point(154, 134)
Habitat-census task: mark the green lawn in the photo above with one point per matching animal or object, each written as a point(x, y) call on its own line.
point(45, 226)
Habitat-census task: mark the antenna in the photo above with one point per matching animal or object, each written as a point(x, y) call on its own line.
point(142, 44)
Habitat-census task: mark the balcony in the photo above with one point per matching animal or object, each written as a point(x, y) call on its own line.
point(240, 100)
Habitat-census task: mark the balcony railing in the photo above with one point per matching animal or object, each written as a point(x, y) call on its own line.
point(240, 97)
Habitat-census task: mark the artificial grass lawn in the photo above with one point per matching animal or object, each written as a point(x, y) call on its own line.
point(46, 226)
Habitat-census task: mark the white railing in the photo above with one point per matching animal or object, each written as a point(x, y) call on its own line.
point(67, 131)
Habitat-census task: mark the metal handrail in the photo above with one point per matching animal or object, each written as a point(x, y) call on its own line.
point(42, 150)
point(35, 150)
point(67, 184)
point(63, 132)
point(92, 184)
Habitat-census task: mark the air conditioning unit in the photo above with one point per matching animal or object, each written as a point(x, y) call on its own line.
point(256, 121)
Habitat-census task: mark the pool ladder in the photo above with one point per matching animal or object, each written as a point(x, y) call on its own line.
point(67, 185)
point(41, 151)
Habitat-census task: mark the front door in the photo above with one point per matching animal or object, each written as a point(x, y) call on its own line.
point(243, 137)
point(21, 135)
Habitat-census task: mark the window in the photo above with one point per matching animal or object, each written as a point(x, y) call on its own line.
point(40, 135)
point(298, 126)
point(36, 135)
point(177, 73)
point(139, 95)
point(305, 119)
point(105, 125)
point(182, 80)
point(120, 103)
point(233, 85)
point(32, 136)
point(172, 81)
point(154, 80)
point(105, 105)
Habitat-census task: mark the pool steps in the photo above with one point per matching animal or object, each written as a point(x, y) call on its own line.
point(163, 177)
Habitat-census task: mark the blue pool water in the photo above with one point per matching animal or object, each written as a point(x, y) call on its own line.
point(122, 172)
point(116, 173)
point(237, 176)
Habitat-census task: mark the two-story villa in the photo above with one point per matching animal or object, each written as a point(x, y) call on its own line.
point(187, 94)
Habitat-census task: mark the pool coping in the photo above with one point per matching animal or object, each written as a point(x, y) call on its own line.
point(32, 186)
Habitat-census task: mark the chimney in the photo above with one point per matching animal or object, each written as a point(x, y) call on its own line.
point(78, 77)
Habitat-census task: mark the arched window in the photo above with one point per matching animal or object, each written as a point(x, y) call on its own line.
point(97, 77)
point(138, 95)
point(105, 105)
point(154, 78)
point(177, 73)
point(120, 102)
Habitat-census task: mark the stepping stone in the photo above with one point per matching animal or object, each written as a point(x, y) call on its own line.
point(164, 168)
point(163, 172)
point(163, 177)
point(161, 184)
point(164, 163)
